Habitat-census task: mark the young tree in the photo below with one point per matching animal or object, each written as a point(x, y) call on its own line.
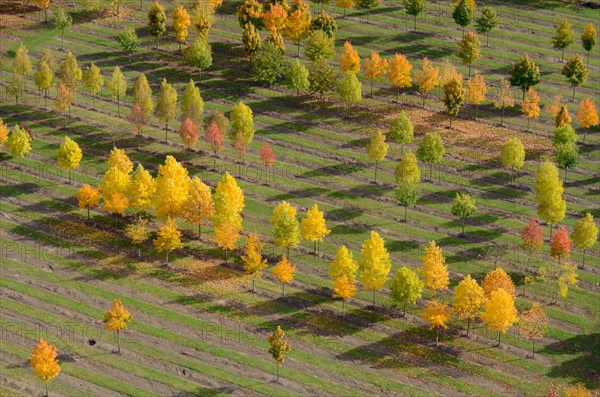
point(203, 20)
point(279, 347)
point(117, 320)
point(157, 21)
point(488, 21)
point(431, 150)
point(199, 55)
point(345, 5)
point(575, 71)
point(118, 158)
point(313, 227)
point(343, 288)
point(343, 265)
point(566, 156)
point(414, 8)
point(319, 46)
point(250, 12)
point(44, 363)
point(374, 264)
point(436, 314)
point(286, 228)
point(88, 197)
point(453, 96)
point(525, 74)
point(284, 271)
point(297, 26)
point(350, 89)
point(375, 68)
point(406, 287)
point(512, 155)
point(530, 105)
point(44, 4)
point(322, 77)
point(532, 236)
point(549, 190)
point(168, 238)
point(3, 132)
point(129, 41)
point(92, 81)
point(63, 100)
point(18, 143)
point(252, 260)
point(62, 22)
point(274, 17)
point(214, 136)
point(181, 24)
point(377, 148)
point(426, 78)
point(117, 86)
point(469, 49)
point(349, 59)
point(563, 37)
point(463, 207)
point(434, 271)
point(500, 312)
point(166, 105)
point(267, 157)
point(138, 232)
point(503, 99)
point(467, 300)
point(242, 126)
point(229, 202)
point(188, 131)
point(296, 77)
point(407, 193)
point(497, 279)
point(563, 274)
point(399, 73)
point(199, 207)
point(585, 234)
point(366, 5)
point(142, 189)
point(16, 87)
point(587, 115)
point(267, 64)
point(408, 169)
point(172, 188)
point(560, 244)
point(142, 95)
point(69, 155)
point(70, 73)
point(588, 40)
point(22, 63)
point(401, 130)
point(114, 189)
point(462, 14)
point(44, 79)
point(192, 105)
point(220, 119)
point(577, 390)
point(250, 39)
point(115, 203)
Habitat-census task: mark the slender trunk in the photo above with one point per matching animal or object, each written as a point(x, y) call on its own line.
point(118, 106)
point(398, 94)
point(487, 40)
point(253, 284)
point(437, 338)
point(298, 54)
point(404, 311)
point(371, 87)
point(167, 257)
point(468, 325)
point(343, 303)
point(583, 264)
point(375, 171)
point(62, 38)
point(118, 342)
point(573, 94)
point(373, 298)
point(139, 252)
point(528, 122)
point(277, 372)
point(315, 252)
point(562, 55)
point(88, 209)
point(469, 70)
point(415, 23)
point(463, 226)
point(283, 289)
point(166, 129)
point(199, 231)
point(430, 171)
point(588, 59)
point(405, 208)
point(476, 112)
point(46, 384)
point(532, 349)
point(499, 335)
point(225, 255)
point(288, 252)
point(556, 293)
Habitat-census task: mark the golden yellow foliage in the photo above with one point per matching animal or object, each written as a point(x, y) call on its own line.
point(433, 270)
point(43, 361)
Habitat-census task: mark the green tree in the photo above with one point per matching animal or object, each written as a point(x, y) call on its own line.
point(251, 39)
point(286, 228)
point(414, 8)
point(453, 96)
point(62, 22)
point(549, 189)
point(129, 42)
point(512, 155)
point(462, 14)
point(242, 125)
point(157, 21)
point(575, 71)
point(487, 21)
point(463, 207)
point(192, 105)
point(142, 95)
point(199, 55)
point(22, 63)
point(469, 49)
point(322, 77)
point(350, 89)
point(408, 169)
point(117, 86)
point(377, 148)
point(366, 5)
point(566, 156)
point(324, 22)
point(525, 74)
point(401, 130)
point(563, 37)
point(296, 77)
point(166, 105)
point(588, 40)
point(267, 63)
point(92, 81)
point(431, 150)
point(44, 79)
point(407, 193)
point(319, 46)
point(564, 134)
point(15, 87)
point(406, 287)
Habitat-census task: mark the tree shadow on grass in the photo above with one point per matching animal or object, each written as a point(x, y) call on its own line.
point(584, 366)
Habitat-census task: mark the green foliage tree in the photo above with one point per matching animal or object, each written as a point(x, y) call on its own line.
point(117, 86)
point(563, 37)
point(319, 46)
point(588, 39)
point(431, 150)
point(525, 74)
point(199, 55)
point(92, 81)
point(192, 104)
point(129, 41)
point(453, 96)
point(463, 207)
point(566, 156)
point(487, 21)
point(16, 86)
point(242, 125)
point(157, 20)
point(401, 130)
point(250, 39)
point(322, 77)
point(166, 105)
point(407, 193)
point(549, 190)
point(377, 148)
point(565, 134)
point(406, 287)
point(575, 71)
point(414, 8)
point(469, 49)
point(267, 63)
point(62, 22)
point(296, 77)
point(408, 169)
point(512, 155)
point(350, 89)
point(462, 14)
point(324, 22)
point(366, 5)
point(286, 228)
point(142, 95)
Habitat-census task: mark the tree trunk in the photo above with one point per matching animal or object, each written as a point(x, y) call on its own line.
point(298, 54)
point(487, 40)
point(415, 23)
point(463, 226)
point(343, 303)
point(373, 298)
point(469, 70)
point(167, 257)
point(166, 129)
point(46, 384)
point(405, 208)
point(468, 325)
point(562, 55)
point(139, 252)
point(225, 255)
point(315, 252)
point(573, 99)
point(88, 209)
point(62, 38)
point(404, 311)
point(499, 335)
point(375, 171)
point(532, 349)
point(253, 284)
point(283, 289)
point(583, 263)
point(118, 342)
point(437, 338)
point(277, 372)
point(371, 87)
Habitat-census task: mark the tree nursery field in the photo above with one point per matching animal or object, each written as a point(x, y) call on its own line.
point(299, 198)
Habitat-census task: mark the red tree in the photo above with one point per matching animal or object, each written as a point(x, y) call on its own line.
point(138, 121)
point(560, 244)
point(267, 155)
point(533, 237)
point(214, 136)
point(188, 132)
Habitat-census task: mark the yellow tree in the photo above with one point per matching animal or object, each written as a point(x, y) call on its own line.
point(115, 203)
point(406, 287)
point(115, 181)
point(18, 143)
point(118, 158)
point(426, 78)
point(577, 390)
point(467, 300)
point(533, 325)
point(286, 228)
point(408, 169)
point(345, 5)
point(138, 232)
point(69, 155)
point(168, 238)
point(500, 312)
point(199, 207)
point(436, 314)
point(477, 90)
point(44, 363)
point(172, 187)
point(587, 115)
point(63, 100)
point(530, 105)
point(374, 264)
point(349, 60)
point(279, 347)
point(227, 234)
point(434, 271)
point(344, 289)
point(375, 68)
point(549, 190)
point(88, 197)
point(497, 279)
point(44, 4)
point(142, 189)
point(377, 148)
point(343, 264)
point(585, 234)
point(512, 155)
point(228, 201)
point(297, 26)
point(252, 260)
point(3, 132)
point(181, 24)
point(399, 73)
point(504, 98)
point(313, 227)
point(284, 271)
point(563, 117)
point(117, 319)
point(274, 19)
